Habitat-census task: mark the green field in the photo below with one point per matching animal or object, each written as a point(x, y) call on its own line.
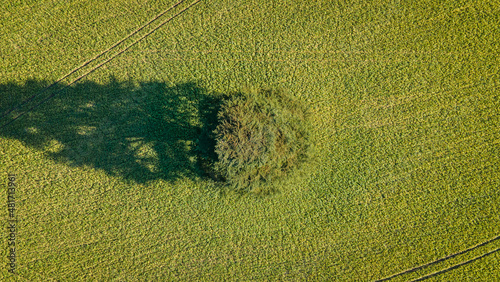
point(405, 102)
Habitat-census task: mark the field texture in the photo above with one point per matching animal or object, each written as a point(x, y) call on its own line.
point(405, 103)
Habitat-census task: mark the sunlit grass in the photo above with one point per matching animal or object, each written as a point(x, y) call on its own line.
point(404, 101)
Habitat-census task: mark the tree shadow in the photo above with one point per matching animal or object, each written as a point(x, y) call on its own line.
point(138, 131)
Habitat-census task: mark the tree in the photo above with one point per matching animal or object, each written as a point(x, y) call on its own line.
point(261, 136)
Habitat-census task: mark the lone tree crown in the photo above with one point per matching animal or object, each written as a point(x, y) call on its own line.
point(260, 137)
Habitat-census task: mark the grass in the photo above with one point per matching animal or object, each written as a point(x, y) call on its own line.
point(404, 100)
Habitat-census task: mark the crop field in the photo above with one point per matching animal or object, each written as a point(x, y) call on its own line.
point(101, 167)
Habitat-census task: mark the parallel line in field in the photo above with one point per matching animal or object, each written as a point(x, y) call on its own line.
point(456, 266)
point(408, 175)
point(98, 66)
point(391, 102)
point(50, 251)
point(446, 258)
point(423, 97)
point(255, 267)
point(450, 153)
point(140, 253)
point(91, 203)
point(423, 22)
point(395, 101)
point(89, 61)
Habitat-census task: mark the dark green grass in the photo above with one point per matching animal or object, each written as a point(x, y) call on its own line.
point(404, 100)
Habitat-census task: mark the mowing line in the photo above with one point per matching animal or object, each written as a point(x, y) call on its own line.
point(455, 266)
point(445, 258)
point(100, 65)
point(91, 60)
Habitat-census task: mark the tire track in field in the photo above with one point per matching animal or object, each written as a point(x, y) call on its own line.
point(93, 59)
point(89, 61)
point(444, 259)
point(456, 265)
